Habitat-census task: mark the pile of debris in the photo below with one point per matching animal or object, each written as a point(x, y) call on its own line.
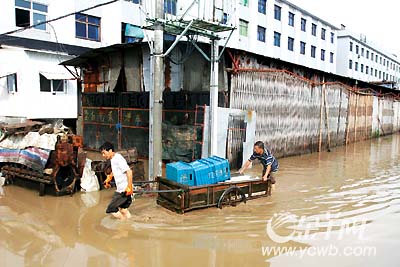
point(42, 156)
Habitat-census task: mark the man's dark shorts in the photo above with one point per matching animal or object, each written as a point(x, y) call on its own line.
point(119, 200)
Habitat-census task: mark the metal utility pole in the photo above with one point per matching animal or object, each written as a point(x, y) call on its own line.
point(213, 98)
point(213, 93)
point(155, 147)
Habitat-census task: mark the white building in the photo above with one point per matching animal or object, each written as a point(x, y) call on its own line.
point(32, 83)
point(363, 60)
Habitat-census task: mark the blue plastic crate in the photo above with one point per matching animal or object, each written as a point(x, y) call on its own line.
point(180, 172)
point(211, 178)
point(201, 172)
point(223, 168)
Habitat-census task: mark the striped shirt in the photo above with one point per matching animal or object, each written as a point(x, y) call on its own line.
point(266, 159)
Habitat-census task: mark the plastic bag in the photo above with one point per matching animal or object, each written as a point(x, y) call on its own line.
point(89, 181)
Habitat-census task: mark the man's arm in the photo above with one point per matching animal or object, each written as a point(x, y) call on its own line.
point(267, 171)
point(245, 166)
point(129, 189)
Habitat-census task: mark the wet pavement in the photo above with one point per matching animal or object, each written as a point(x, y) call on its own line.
point(329, 209)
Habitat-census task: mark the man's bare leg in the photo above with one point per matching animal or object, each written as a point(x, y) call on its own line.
point(125, 213)
point(118, 215)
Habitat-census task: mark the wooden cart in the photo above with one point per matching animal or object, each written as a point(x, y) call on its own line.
point(182, 198)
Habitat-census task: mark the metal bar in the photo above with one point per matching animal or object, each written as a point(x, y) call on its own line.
point(201, 51)
point(178, 39)
point(226, 43)
point(214, 99)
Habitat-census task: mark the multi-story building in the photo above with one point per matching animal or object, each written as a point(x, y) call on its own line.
point(282, 30)
point(363, 60)
point(32, 83)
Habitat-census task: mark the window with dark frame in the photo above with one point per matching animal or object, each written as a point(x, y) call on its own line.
point(332, 37)
point(261, 34)
point(314, 29)
point(323, 33)
point(277, 39)
point(29, 13)
point(277, 12)
point(262, 6)
point(170, 7)
point(87, 27)
point(243, 27)
point(313, 51)
point(303, 24)
point(291, 19)
point(350, 64)
point(290, 43)
point(322, 54)
point(302, 48)
point(356, 66)
point(351, 46)
point(52, 86)
point(10, 82)
point(331, 57)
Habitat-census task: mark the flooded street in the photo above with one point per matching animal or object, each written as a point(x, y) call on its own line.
point(347, 201)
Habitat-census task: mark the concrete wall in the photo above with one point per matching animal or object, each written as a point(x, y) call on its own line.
point(29, 101)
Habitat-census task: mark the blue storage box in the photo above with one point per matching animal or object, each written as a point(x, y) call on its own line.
point(211, 179)
point(201, 172)
point(222, 168)
point(180, 172)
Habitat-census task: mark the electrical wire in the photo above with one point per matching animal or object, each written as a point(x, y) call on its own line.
point(61, 17)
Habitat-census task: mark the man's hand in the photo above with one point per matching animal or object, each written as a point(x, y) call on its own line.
point(128, 191)
point(241, 171)
point(106, 183)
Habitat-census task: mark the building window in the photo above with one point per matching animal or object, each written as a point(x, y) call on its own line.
point(313, 50)
point(376, 73)
point(243, 27)
point(376, 58)
point(357, 49)
point(356, 66)
point(380, 60)
point(53, 86)
point(362, 67)
point(314, 29)
point(372, 56)
point(224, 18)
point(362, 51)
point(277, 39)
point(302, 48)
point(10, 83)
point(303, 24)
point(170, 7)
point(261, 34)
point(87, 27)
point(332, 37)
point(323, 32)
point(350, 64)
point(262, 6)
point(331, 57)
point(351, 46)
point(277, 12)
point(322, 54)
point(380, 74)
point(372, 72)
point(290, 44)
point(366, 69)
point(291, 19)
point(29, 13)
point(367, 54)
point(384, 62)
point(244, 2)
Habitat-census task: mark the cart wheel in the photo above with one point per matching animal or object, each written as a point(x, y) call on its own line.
point(231, 197)
point(42, 189)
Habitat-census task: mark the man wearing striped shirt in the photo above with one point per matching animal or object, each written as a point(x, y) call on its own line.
point(269, 162)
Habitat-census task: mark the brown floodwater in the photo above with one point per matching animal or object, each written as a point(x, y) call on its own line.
point(348, 199)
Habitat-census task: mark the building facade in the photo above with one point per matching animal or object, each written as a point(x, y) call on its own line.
point(32, 83)
point(363, 60)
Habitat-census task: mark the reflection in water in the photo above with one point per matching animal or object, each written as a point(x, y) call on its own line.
point(360, 182)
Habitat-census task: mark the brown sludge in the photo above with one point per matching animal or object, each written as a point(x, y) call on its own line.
point(360, 181)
